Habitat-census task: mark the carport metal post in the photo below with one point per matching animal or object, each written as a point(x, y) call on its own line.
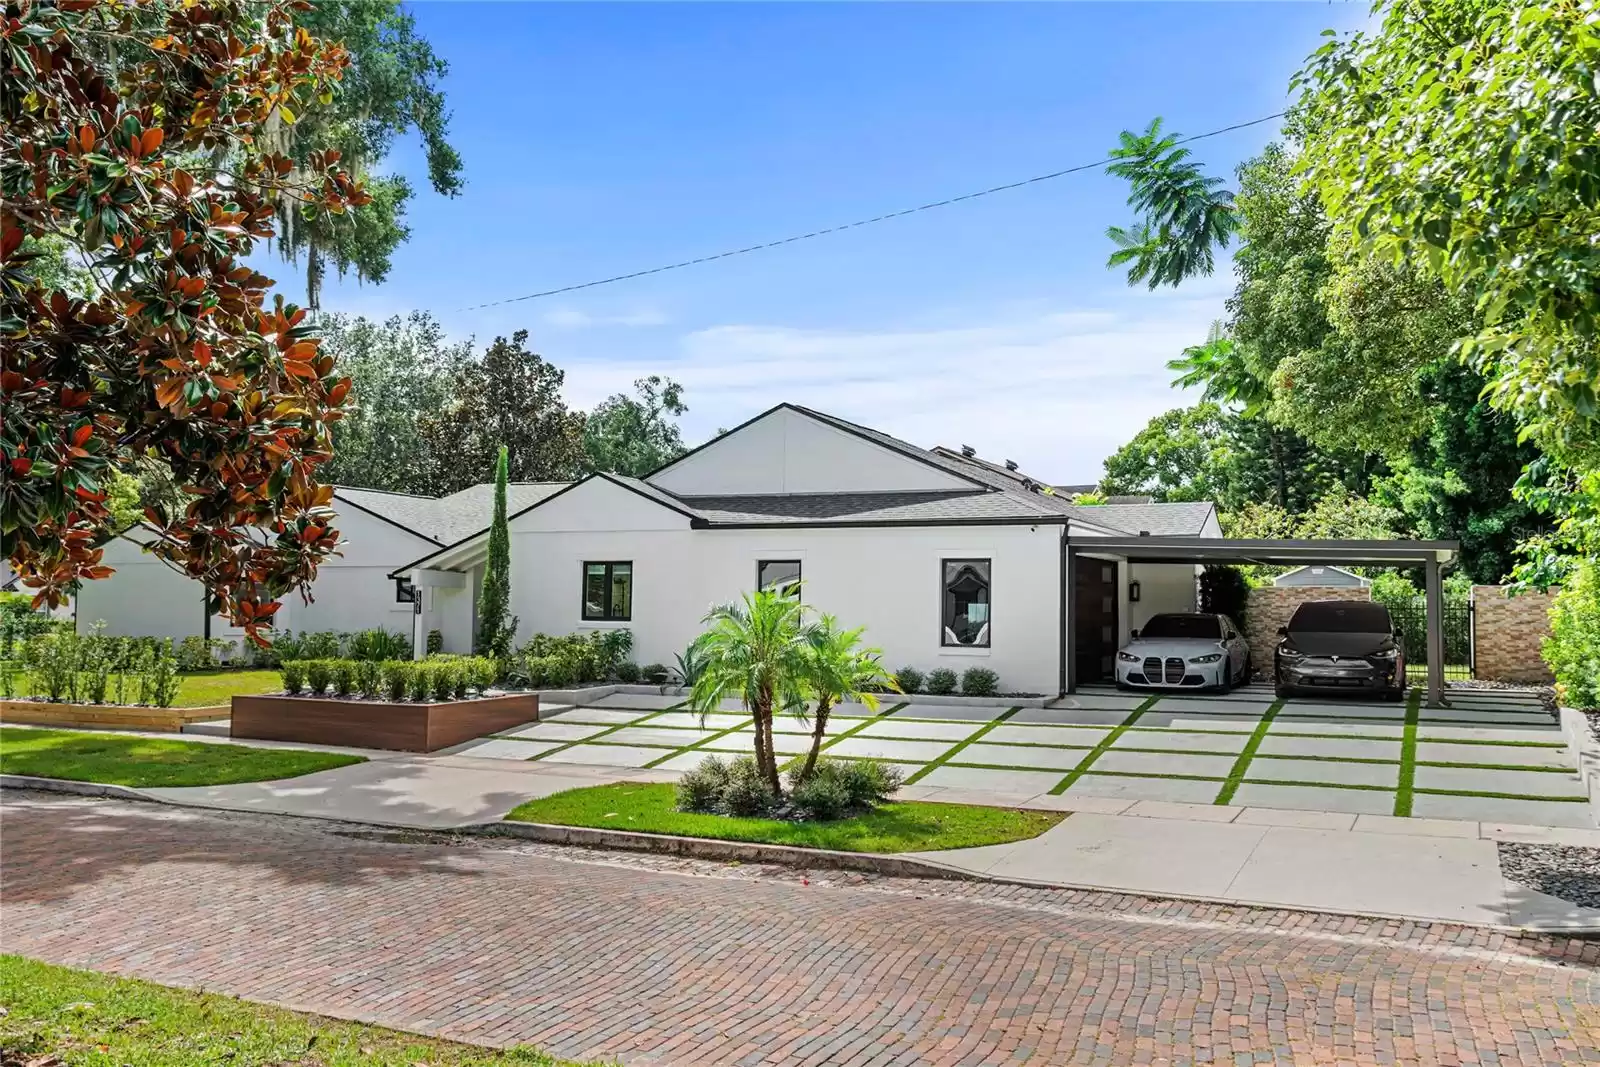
point(1069, 631)
point(1435, 601)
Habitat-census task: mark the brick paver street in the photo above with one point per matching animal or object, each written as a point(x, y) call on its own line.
point(672, 961)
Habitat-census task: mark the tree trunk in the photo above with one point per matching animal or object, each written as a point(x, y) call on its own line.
point(765, 763)
point(314, 272)
point(817, 731)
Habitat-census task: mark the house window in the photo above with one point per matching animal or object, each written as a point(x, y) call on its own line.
point(404, 591)
point(772, 573)
point(608, 592)
point(965, 603)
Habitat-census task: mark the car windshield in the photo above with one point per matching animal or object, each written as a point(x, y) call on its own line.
point(1333, 617)
point(1201, 626)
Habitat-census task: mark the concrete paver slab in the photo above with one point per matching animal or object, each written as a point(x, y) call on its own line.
point(716, 720)
point(1105, 701)
point(1156, 719)
point(1180, 741)
point(605, 755)
point(603, 716)
point(1070, 736)
point(946, 713)
point(1369, 872)
point(851, 710)
point(1529, 907)
point(1501, 809)
point(644, 701)
point(1582, 837)
point(1212, 706)
point(554, 731)
point(1182, 790)
point(1455, 717)
point(1121, 852)
point(1022, 783)
point(1342, 747)
point(1377, 712)
point(1069, 717)
point(688, 761)
point(504, 748)
point(1308, 820)
point(926, 731)
point(1396, 824)
point(1501, 734)
point(1302, 727)
point(651, 735)
point(744, 742)
point(1274, 768)
point(1058, 759)
point(1520, 755)
point(1171, 809)
point(1532, 783)
point(890, 749)
point(1316, 798)
point(1164, 763)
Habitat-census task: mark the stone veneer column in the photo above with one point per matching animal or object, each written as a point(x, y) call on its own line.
point(1508, 633)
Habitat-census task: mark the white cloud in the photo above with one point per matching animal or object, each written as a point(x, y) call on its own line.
point(1055, 389)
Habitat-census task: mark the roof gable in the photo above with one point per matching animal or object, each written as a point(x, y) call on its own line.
point(790, 449)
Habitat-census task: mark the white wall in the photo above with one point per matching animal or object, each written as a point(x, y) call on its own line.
point(1163, 587)
point(787, 452)
point(352, 590)
point(886, 579)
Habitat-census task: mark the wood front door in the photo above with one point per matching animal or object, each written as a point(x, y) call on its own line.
point(1094, 626)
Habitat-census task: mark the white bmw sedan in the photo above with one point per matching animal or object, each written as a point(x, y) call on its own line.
point(1190, 650)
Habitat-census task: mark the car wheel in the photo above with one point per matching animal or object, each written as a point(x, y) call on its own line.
point(1244, 675)
point(1395, 695)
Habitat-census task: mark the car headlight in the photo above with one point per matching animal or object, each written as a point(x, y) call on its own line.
point(1127, 657)
point(1388, 653)
point(1290, 653)
point(1209, 657)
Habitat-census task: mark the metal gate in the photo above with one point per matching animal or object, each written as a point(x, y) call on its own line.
point(1411, 619)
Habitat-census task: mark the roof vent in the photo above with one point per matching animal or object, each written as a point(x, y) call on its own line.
point(1144, 533)
point(1011, 464)
point(968, 451)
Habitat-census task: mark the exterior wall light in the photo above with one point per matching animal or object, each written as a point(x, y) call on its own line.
point(1133, 592)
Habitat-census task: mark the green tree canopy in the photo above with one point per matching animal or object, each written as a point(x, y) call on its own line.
point(634, 435)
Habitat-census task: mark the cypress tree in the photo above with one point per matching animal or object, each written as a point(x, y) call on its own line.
point(496, 631)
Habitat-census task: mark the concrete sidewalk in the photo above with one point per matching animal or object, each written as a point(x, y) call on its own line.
point(1425, 869)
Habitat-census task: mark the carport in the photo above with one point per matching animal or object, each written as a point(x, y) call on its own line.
point(1429, 555)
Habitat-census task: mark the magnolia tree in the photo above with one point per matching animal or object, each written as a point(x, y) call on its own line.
point(141, 139)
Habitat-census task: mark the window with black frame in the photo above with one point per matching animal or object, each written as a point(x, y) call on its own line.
point(404, 591)
point(783, 574)
point(608, 591)
point(966, 603)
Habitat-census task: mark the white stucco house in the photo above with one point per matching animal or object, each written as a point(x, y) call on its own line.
point(948, 560)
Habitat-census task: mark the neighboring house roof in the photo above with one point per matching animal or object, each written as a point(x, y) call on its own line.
point(836, 509)
point(1158, 520)
point(445, 520)
point(1319, 572)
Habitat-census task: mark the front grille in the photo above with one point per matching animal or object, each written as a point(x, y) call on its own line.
point(1159, 672)
point(1152, 669)
point(1174, 670)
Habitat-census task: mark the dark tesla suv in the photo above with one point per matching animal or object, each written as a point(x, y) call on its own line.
point(1340, 646)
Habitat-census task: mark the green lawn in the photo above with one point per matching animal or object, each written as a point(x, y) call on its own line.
point(116, 759)
point(55, 1015)
point(908, 826)
point(200, 689)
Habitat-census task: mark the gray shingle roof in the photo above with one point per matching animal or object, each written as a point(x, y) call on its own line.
point(446, 520)
point(1176, 520)
point(822, 509)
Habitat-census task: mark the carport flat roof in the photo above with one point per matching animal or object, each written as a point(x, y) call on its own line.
point(1287, 552)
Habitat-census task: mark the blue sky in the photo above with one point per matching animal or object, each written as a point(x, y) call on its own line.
point(602, 138)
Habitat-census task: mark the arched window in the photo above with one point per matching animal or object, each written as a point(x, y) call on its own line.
point(966, 612)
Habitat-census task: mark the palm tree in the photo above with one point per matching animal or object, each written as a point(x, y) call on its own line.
point(756, 650)
point(839, 669)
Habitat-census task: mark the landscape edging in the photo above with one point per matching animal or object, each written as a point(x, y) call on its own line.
point(715, 848)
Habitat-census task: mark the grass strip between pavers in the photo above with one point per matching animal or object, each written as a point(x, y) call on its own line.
point(1408, 756)
point(1099, 750)
point(1482, 741)
point(718, 736)
point(1236, 775)
point(1501, 796)
point(608, 730)
point(928, 768)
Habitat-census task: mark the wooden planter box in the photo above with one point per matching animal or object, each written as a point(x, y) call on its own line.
point(107, 716)
point(378, 724)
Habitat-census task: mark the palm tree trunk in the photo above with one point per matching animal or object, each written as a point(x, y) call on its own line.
point(765, 763)
point(817, 731)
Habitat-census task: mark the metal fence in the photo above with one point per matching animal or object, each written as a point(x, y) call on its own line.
point(1411, 618)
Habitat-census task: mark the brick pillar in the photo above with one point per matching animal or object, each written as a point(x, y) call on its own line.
point(1507, 634)
point(1271, 606)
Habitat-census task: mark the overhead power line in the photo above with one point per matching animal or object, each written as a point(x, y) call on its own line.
point(859, 222)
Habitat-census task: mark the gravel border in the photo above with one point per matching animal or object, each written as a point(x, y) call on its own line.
point(1569, 872)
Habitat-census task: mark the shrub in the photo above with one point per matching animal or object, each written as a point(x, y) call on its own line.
point(420, 683)
point(379, 644)
point(397, 679)
point(53, 660)
point(821, 796)
point(941, 682)
point(435, 642)
point(8, 678)
point(909, 679)
point(611, 647)
point(746, 792)
point(95, 660)
point(480, 673)
point(294, 676)
point(324, 644)
point(628, 672)
point(701, 789)
point(655, 674)
point(20, 624)
point(319, 672)
point(368, 678)
point(195, 654)
point(158, 674)
point(442, 678)
point(979, 682)
point(1573, 648)
point(343, 676)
